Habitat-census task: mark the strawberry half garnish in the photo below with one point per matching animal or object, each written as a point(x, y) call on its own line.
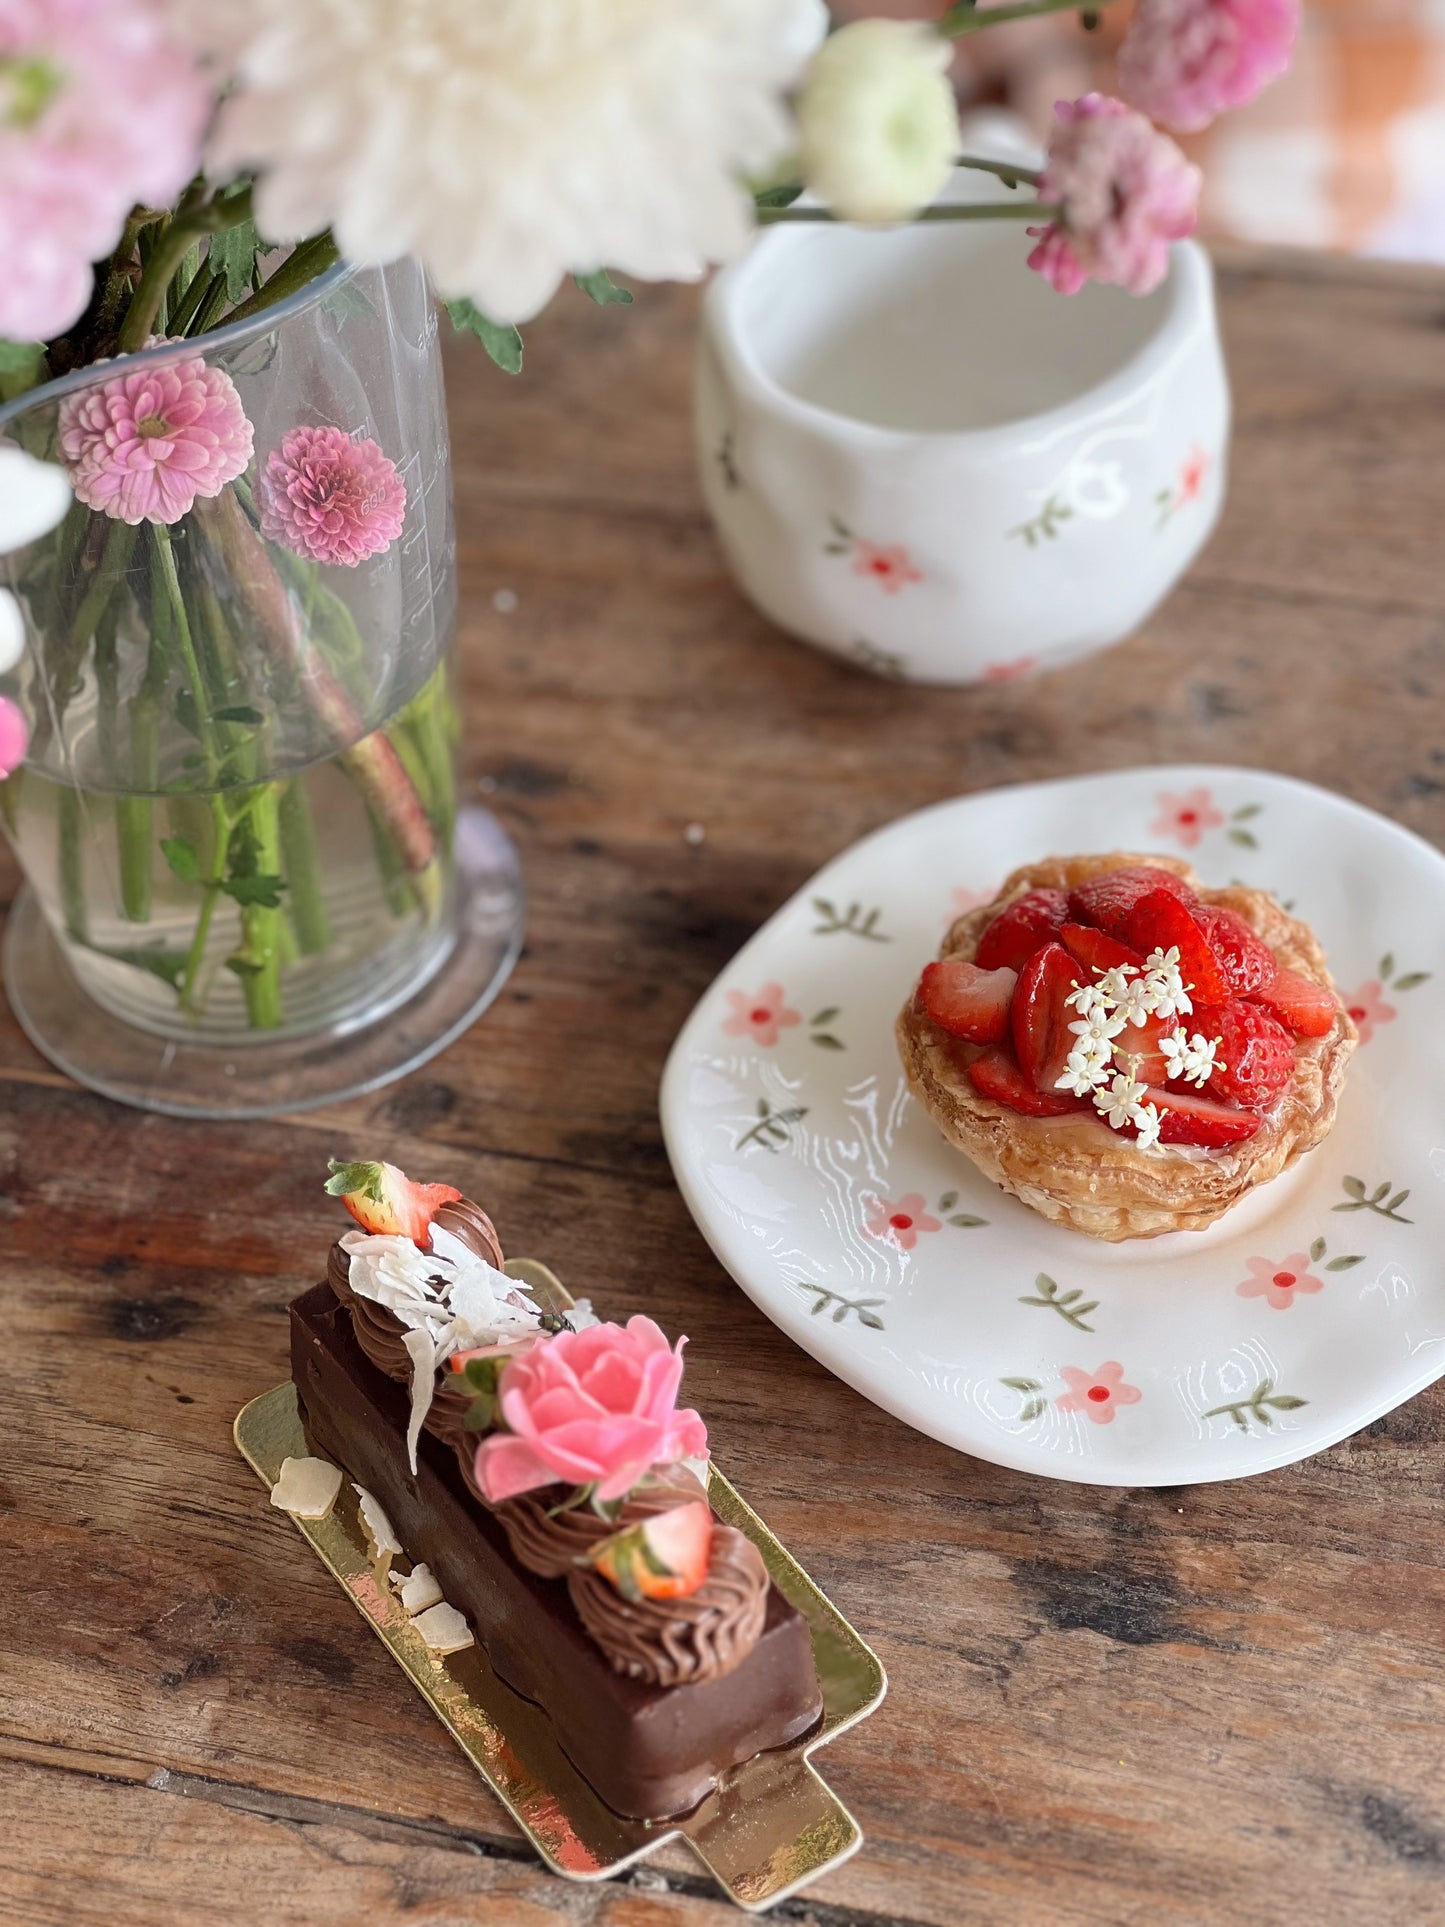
point(665, 1557)
point(1245, 959)
point(1256, 1052)
point(1108, 901)
point(1016, 933)
point(1160, 921)
point(385, 1201)
point(996, 1075)
point(967, 1001)
point(1041, 1015)
point(1184, 1119)
point(1307, 1007)
point(1138, 1046)
point(1096, 949)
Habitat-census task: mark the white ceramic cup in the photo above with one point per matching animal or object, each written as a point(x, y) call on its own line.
point(922, 458)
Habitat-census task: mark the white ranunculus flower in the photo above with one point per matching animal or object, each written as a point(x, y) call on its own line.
point(33, 498)
point(878, 120)
point(509, 142)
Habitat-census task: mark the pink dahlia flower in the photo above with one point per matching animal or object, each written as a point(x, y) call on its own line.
point(14, 738)
point(99, 108)
point(1185, 61)
point(1124, 192)
point(143, 445)
point(330, 498)
point(591, 1407)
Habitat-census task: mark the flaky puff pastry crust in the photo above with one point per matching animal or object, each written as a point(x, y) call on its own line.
point(1075, 1169)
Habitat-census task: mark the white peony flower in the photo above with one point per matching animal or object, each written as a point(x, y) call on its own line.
point(508, 142)
point(878, 120)
point(33, 499)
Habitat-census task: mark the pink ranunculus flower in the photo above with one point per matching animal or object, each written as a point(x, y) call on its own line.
point(760, 1016)
point(1186, 817)
point(1123, 192)
point(100, 107)
point(1185, 61)
point(596, 1407)
point(143, 445)
point(330, 498)
point(903, 1221)
point(1281, 1280)
point(1098, 1395)
point(14, 738)
point(1368, 1007)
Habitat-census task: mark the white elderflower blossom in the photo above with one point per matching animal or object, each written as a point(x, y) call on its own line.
point(1136, 1006)
point(1085, 1069)
point(1168, 993)
point(1145, 1119)
point(1118, 1103)
point(1191, 1059)
point(1088, 998)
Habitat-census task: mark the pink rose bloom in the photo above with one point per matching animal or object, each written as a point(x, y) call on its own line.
point(142, 446)
point(14, 738)
point(99, 108)
point(1124, 192)
point(1185, 61)
point(591, 1407)
point(330, 498)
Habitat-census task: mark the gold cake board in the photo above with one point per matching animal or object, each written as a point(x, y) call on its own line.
point(771, 1825)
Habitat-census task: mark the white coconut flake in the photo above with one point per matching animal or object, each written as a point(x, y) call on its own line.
point(419, 1591)
point(307, 1488)
point(384, 1543)
point(444, 1629)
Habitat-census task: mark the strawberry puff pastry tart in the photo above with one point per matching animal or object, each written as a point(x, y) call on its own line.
point(1122, 1049)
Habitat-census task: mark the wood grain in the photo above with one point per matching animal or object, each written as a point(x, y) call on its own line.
point(1193, 1706)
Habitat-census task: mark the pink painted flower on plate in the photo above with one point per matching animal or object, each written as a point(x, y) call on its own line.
point(100, 107)
point(1280, 1280)
point(1184, 62)
point(1098, 1395)
point(1124, 192)
point(903, 1222)
point(141, 446)
point(591, 1407)
point(1186, 817)
point(330, 498)
point(1013, 671)
point(888, 565)
point(14, 738)
point(759, 1016)
point(1193, 473)
point(1368, 1008)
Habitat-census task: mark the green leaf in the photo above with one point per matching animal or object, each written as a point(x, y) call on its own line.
point(824, 908)
point(1317, 1249)
point(1398, 1199)
point(948, 1201)
point(840, 1314)
point(182, 858)
point(826, 1016)
point(871, 1320)
point(601, 288)
point(21, 358)
point(1021, 1384)
point(820, 1302)
point(1287, 1402)
point(1245, 838)
point(1035, 1408)
point(1379, 1192)
point(1344, 1264)
point(1412, 980)
point(781, 196)
point(1246, 811)
point(355, 1178)
point(233, 253)
point(967, 1220)
point(1387, 965)
point(502, 343)
point(238, 713)
point(829, 1043)
point(1355, 1186)
point(1045, 1284)
point(263, 893)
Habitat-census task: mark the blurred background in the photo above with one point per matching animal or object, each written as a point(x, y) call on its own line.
point(1347, 151)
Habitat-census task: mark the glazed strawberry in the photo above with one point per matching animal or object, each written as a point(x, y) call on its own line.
point(1041, 1015)
point(1107, 901)
point(1245, 960)
point(1256, 1053)
point(1160, 921)
point(1305, 1006)
point(1016, 933)
point(384, 1200)
point(967, 1001)
point(665, 1557)
point(1096, 949)
point(996, 1075)
point(1186, 1119)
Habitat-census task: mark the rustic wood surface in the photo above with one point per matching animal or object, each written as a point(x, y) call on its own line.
point(1205, 1705)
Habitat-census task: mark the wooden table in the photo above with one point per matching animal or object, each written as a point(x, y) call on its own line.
point(1208, 1705)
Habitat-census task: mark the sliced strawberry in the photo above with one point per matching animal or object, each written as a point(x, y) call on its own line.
point(967, 1001)
point(1016, 933)
point(1041, 1015)
point(1107, 901)
point(1096, 949)
point(1185, 1119)
point(996, 1075)
point(384, 1200)
point(1245, 960)
point(1161, 922)
point(1307, 1007)
point(1138, 1045)
point(1255, 1051)
point(665, 1557)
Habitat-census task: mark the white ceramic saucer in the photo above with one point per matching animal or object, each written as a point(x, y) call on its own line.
point(836, 1205)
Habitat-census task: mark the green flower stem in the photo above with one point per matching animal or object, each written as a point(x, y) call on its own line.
point(134, 814)
point(966, 18)
point(167, 255)
point(305, 262)
point(259, 959)
point(301, 866)
point(942, 211)
point(199, 286)
point(72, 864)
point(1006, 171)
point(426, 723)
point(196, 955)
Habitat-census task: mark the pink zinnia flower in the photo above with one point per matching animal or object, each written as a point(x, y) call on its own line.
point(99, 108)
point(14, 738)
point(759, 1016)
point(330, 498)
point(1124, 192)
point(1184, 61)
point(901, 1222)
point(142, 446)
point(591, 1407)
point(1280, 1281)
point(1098, 1395)
point(1368, 1007)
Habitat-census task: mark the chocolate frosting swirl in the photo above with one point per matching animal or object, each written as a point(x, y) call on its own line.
point(673, 1642)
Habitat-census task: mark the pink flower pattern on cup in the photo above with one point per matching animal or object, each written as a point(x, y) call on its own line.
point(888, 565)
point(761, 1015)
point(142, 446)
point(1369, 1009)
point(1280, 1281)
point(903, 1221)
point(1185, 818)
point(331, 498)
point(1098, 1395)
point(596, 1407)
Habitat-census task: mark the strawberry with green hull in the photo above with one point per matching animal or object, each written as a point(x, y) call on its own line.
point(386, 1202)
